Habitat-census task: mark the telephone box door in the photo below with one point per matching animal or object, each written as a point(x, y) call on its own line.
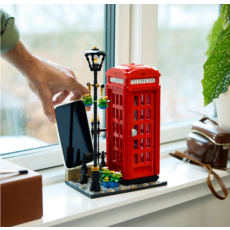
point(141, 147)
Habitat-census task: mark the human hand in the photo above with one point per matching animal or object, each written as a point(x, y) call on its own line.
point(46, 79)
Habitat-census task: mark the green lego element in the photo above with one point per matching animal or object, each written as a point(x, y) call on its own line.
point(87, 100)
point(105, 174)
point(103, 103)
point(115, 177)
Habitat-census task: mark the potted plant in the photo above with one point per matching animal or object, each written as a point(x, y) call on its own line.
point(216, 81)
point(114, 179)
point(103, 102)
point(87, 100)
point(105, 176)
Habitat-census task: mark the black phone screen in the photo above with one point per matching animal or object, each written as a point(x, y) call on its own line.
point(74, 133)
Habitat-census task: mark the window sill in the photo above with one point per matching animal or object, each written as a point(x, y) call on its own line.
point(62, 204)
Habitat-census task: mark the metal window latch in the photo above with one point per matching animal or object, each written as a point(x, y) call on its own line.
point(134, 132)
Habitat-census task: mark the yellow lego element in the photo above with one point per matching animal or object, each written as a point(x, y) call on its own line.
point(95, 169)
point(95, 60)
point(106, 97)
point(112, 171)
point(85, 95)
point(97, 85)
point(101, 91)
point(106, 178)
point(95, 47)
point(89, 88)
point(98, 118)
point(92, 118)
point(134, 186)
point(152, 183)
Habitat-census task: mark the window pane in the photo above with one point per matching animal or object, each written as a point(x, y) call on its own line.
point(182, 32)
point(60, 33)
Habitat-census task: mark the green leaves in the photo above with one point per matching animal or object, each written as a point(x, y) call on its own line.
point(217, 71)
point(217, 67)
point(213, 35)
point(225, 15)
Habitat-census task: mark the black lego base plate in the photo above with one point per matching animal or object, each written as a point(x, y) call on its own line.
point(84, 188)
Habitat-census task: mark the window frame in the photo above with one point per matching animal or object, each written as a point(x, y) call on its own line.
point(125, 40)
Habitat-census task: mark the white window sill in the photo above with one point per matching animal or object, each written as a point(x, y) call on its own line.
point(62, 204)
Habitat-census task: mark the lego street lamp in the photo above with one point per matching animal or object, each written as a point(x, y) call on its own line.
point(95, 58)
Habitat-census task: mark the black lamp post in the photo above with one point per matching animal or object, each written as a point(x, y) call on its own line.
point(95, 65)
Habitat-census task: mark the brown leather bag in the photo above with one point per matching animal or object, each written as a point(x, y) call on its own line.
point(208, 145)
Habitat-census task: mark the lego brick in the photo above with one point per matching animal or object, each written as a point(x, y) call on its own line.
point(139, 101)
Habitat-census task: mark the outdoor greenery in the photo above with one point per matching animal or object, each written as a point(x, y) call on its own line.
point(217, 67)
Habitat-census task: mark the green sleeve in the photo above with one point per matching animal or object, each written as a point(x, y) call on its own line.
point(9, 32)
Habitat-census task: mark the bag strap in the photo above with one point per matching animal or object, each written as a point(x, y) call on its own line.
point(209, 183)
point(207, 118)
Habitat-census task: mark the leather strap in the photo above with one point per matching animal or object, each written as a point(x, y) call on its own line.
point(207, 118)
point(209, 168)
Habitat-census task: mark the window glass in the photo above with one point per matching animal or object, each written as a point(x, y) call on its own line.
point(182, 32)
point(60, 33)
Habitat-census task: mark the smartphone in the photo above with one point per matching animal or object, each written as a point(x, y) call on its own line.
point(73, 133)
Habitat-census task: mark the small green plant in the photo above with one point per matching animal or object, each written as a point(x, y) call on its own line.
point(105, 174)
point(87, 100)
point(103, 102)
point(217, 67)
point(115, 177)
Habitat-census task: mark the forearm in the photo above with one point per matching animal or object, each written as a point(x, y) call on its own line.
point(20, 57)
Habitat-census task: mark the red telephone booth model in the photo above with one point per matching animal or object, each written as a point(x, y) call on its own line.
point(133, 122)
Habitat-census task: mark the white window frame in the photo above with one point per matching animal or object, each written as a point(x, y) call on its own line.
point(135, 42)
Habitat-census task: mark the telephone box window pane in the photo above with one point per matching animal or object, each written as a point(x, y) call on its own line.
point(117, 142)
point(114, 98)
point(135, 100)
point(142, 129)
point(148, 99)
point(114, 141)
point(121, 114)
point(114, 127)
point(148, 114)
point(142, 99)
point(117, 128)
point(114, 155)
point(147, 142)
point(114, 113)
point(135, 115)
point(120, 99)
point(121, 144)
point(135, 144)
point(121, 131)
point(148, 128)
point(117, 99)
point(136, 128)
point(121, 157)
point(142, 143)
point(135, 158)
point(148, 157)
point(117, 113)
point(142, 114)
point(142, 158)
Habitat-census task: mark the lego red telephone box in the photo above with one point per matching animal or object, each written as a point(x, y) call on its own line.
point(133, 122)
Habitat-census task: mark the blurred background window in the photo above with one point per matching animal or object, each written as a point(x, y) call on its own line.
point(60, 33)
point(182, 32)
